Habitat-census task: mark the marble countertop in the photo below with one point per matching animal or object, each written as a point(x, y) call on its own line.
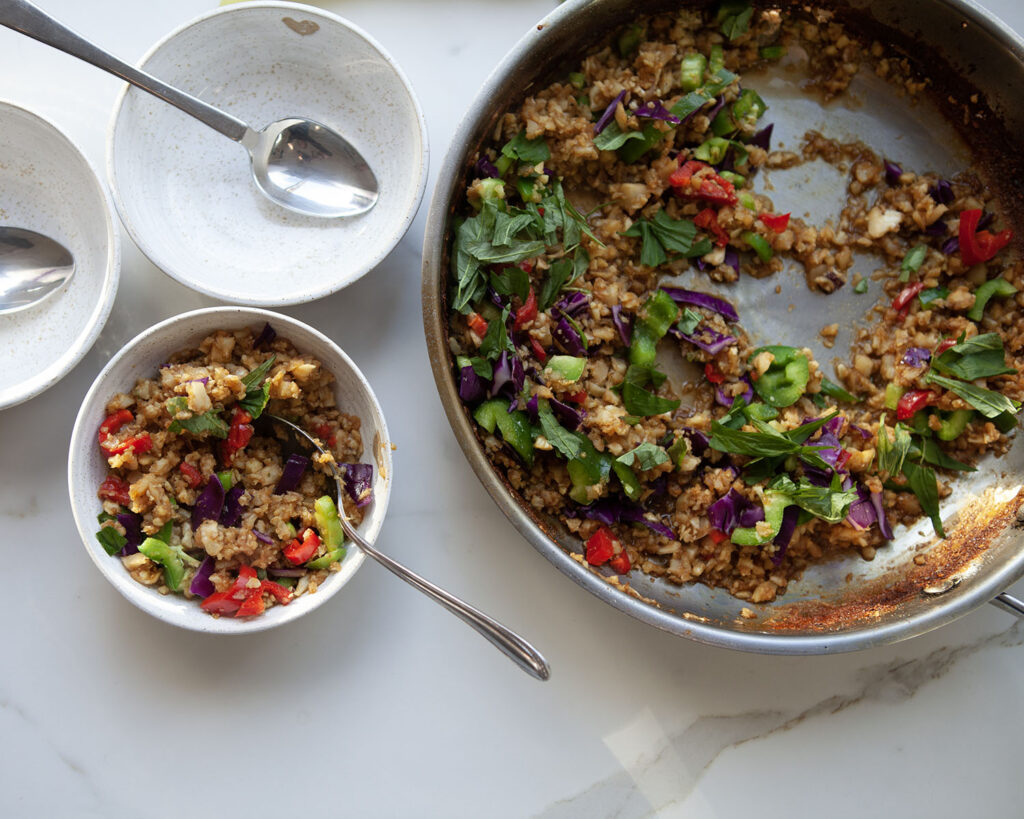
point(380, 703)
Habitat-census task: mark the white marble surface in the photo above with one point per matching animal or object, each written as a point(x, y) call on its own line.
point(380, 703)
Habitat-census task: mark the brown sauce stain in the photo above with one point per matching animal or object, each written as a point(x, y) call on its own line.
point(301, 27)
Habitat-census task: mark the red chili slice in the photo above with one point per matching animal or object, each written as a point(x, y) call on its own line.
point(912, 402)
point(698, 180)
point(115, 489)
point(712, 374)
point(113, 422)
point(977, 246)
point(477, 323)
point(775, 221)
point(192, 475)
point(901, 304)
point(600, 547)
point(526, 313)
point(538, 350)
point(707, 219)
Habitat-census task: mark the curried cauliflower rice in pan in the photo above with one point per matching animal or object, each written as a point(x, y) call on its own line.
point(600, 189)
point(200, 499)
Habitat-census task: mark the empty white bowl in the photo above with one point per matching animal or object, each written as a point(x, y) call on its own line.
point(48, 186)
point(185, 193)
point(141, 358)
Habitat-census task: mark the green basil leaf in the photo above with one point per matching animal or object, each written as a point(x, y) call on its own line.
point(734, 17)
point(644, 456)
point(892, 452)
point(932, 453)
point(924, 484)
point(111, 540)
point(530, 151)
point(613, 137)
point(980, 357)
point(558, 436)
point(496, 339)
point(688, 321)
point(988, 402)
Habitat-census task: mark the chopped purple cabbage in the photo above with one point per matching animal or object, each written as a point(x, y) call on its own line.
point(623, 324)
point(655, 110)
point(294, 469)
point(609, 112)
point(486, 168)
point(893, 172)
point(572, 304)
point(732, 258)
point(942, 192)
point(231, 514)
point(727, 400)
point(683, 296)
point(951, 245)
point(862, 512)
point(132, 524)
point(916, 356)
point(763, 138)
point(706, 338)
point(266, 337)
point(471, 386)
point(865, 434)
point(880, 516)
point(790, 516)
point(698, 440)
point(358, 480)
point(937, 228)
point(262, 538)
point(567, 337)
point(732, 510)
point(201, 585)
point(612, 510)
point(532, 408)
point(277, 572)
point(712, 112)
point(209, 503)
point(567, 416)
point(509, 375)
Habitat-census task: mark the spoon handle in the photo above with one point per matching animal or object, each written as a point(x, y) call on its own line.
point(24, 17)
point(506, 640)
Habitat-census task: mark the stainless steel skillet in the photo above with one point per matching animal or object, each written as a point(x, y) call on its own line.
point(851, 603)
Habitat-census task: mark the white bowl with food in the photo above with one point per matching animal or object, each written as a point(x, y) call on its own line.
point(190, 506)
point(48, 186)
point(185, 193)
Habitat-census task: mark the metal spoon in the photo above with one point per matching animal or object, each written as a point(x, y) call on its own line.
point(32, 267)
point(514, 646)
point(300, 164)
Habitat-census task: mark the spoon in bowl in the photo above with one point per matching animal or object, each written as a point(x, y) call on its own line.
point(32, 267)
point(300, 164)
point(507, 641)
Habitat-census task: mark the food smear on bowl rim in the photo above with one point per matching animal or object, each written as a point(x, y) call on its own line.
point(601, 189)
point(198, 501)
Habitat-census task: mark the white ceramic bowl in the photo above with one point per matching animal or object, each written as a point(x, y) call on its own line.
point(141, 358)
point(185, 193)
point(47, 185)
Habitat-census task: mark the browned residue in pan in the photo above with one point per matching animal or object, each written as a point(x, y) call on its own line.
point(981, 522)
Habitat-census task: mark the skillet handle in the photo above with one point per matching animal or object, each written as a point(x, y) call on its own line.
point(1009, 603)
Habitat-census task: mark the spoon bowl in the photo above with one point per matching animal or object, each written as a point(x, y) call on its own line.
point(32, 268)
point(297, 163)
point(309, 168)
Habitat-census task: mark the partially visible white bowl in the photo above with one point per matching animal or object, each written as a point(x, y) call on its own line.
point(141, 358)
point(185, 193)
point(48, 186)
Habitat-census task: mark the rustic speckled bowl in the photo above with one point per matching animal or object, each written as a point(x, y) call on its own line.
point(185, 193)
point(47, 185)
point(141, 358)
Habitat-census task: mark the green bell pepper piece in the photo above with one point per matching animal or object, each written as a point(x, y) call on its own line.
point(712, 150)
point(775, 504)
point(716, 59)
point(782, 384)
point(627, 477)
point(566, 367)
point(997, 287)
point(758, 244)
point(169, 558)
point(656, 316)
point(954, 424)
point(680, 449)
point(514, 426)
point(333, 556)
point(893, 394)
point(328, 523)
point(691, 71)
point(589, 468)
